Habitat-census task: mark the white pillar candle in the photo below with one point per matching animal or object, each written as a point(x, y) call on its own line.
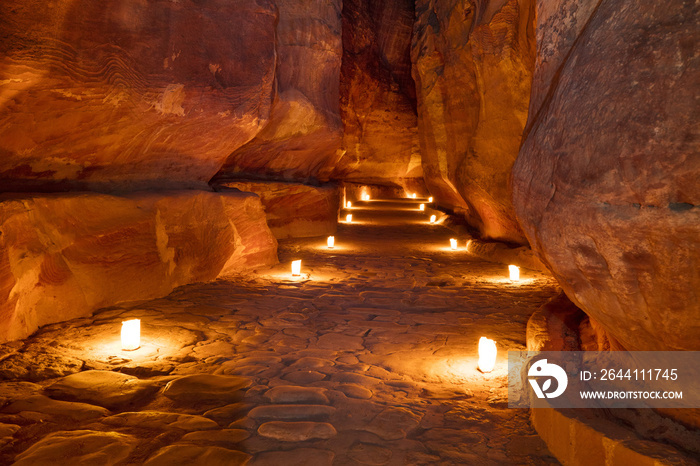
point(348, 204)
point(430, 199)
point(421, 207)
point(433, 218)
point(414, 195)
point(514, 272)
point(453, 243)
point(296, 268)
point(348, 218)
point(331, 242)
point(131, 334)
point(487, 354)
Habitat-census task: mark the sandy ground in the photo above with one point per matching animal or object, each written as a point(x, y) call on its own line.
point(368, 358)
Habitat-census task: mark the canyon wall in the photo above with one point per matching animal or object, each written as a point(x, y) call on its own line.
point(294, 210)
point(606, 183)
point(303, 135)
point(377, 95)
point(130, 94)
point(473, 69)
point(65, 255)
point(145, 99)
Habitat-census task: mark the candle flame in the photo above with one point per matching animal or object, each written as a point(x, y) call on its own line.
point(131, 334)
point(514, 272)
point(487, 354)
point(296, 268)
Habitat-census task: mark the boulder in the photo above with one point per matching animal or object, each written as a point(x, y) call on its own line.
point(63, 256)
point(605, 186)
point(473, 69)
point(79, 447)
point(111, 390)
point(194, 455)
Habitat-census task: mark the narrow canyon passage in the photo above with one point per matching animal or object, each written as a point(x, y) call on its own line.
point(368, 358)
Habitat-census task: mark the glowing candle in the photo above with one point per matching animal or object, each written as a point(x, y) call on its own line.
point(414, 195)
point(296, 268)
point(453, 243)
point(487, 354)
point(430, 199)
point(514, 271)
point(433, 218)
point(131, 334)
point(331, 242)
point(348, 218)
point(365, 197)
point(421, 207)
point(348, 204)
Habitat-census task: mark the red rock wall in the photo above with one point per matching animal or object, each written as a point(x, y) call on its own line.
point(606, 183)
point(294, 210)
point(63, 256)
point(304, 132)
point(473, 69)
point(130, 93)
point(377, 95)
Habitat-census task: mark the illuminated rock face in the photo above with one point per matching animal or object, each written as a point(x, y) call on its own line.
point(377, 95)
point(473, 68)
point(304, 131)
point(114, 93)
point(64, 256)
point(606, 184)
point(295, 210)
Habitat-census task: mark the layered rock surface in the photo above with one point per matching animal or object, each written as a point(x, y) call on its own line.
point(605, 186)
point(304, 132)
point(473, 69)
point(377, 95)
point(94, 96)
point(64, 255)
point(295, 210)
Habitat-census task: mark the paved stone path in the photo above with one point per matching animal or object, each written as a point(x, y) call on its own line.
point(369, 358)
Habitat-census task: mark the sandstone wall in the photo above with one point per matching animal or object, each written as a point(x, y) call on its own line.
point(97, 95)
point(606, 183)
point(473, 68)
point(294, 210)
point(304, 131)
point(63, 256)
point(377, 95)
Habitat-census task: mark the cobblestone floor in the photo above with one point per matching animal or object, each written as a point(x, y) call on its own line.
point(369, 358)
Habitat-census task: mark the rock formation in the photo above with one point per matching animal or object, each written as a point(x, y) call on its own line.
point(130, 94)
point(377, 95)
point(295, 210)
point(473, 70)
point(606, 183)
point(63, 256)
point(304, 132)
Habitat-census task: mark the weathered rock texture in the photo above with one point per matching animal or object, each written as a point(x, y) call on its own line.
point(97, 95)
point(64, 256)
point(377, 94)
point(295, 210)
point(304, 131)
point(473, 69)
point(606, 184)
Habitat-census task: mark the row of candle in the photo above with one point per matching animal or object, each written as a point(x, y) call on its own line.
point(487, 348)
